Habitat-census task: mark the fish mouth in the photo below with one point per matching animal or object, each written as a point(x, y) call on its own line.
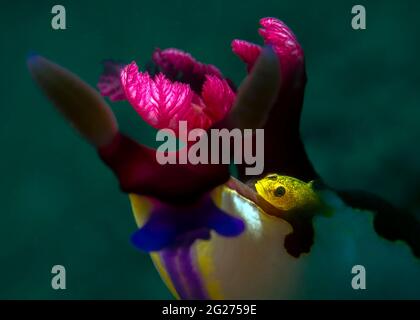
point(260, 188)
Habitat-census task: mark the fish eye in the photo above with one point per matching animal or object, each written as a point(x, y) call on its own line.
point(280, 191)
point(272, 177)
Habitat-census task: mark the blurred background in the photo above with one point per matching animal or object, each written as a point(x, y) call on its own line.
point(60, 205)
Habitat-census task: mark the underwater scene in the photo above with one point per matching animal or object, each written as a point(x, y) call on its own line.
point(210, 150)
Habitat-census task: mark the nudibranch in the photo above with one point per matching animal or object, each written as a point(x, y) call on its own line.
point(283, 235)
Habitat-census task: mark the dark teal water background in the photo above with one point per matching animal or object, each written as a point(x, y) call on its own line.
point(60, 205)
